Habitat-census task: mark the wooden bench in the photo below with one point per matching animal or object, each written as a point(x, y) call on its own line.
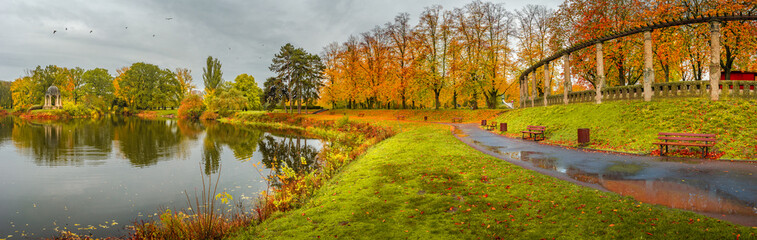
point(361, 114)
point(457, 119)
point(400, 117)
point(703, 141)
point(534, 131)
point(491, 126)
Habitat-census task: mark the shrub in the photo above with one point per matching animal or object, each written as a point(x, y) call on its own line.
point(342, 121)
point(76, 110)
point(191, 107)
point(209, 115)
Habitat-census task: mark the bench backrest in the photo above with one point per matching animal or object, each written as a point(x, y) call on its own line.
point(537, 128)
point(687, 136)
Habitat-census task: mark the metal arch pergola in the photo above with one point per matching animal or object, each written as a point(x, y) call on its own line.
point(641, 29)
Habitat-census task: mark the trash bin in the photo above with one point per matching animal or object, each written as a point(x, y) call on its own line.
point(483, 122)
point(583, 136)
point(425, 118)
point(503, 127)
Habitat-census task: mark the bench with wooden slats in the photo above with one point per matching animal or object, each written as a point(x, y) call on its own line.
point(457, 119)
point(491, 126)
point(703, 141)
point(534, 131)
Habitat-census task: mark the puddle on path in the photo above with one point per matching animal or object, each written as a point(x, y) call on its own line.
point(726, 190)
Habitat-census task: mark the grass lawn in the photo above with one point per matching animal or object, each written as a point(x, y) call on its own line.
point(425, 184)
point(632, 126)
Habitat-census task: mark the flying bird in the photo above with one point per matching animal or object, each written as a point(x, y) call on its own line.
point(153, 35)
point(90, 31)
point(169, 18)
point(126, 27)
point(54, 31)
point(66, 29)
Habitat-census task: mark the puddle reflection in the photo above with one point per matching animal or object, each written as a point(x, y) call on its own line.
point(710, 187)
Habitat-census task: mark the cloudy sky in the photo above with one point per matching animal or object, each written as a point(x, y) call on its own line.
point(243, 35)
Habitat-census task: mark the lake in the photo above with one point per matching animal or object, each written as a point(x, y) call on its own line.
point(98, 176)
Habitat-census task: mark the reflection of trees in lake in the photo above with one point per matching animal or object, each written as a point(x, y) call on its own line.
point(241, 140)
point(63, 143)
point(6, 129)
point(288, 151)
point(144, 142)
point(188, 128)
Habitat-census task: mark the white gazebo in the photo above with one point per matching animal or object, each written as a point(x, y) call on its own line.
point(52, 98)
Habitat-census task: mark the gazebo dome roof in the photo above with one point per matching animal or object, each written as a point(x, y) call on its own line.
point(53, 90)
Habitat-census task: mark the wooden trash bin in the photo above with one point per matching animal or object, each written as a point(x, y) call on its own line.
point(583, 136)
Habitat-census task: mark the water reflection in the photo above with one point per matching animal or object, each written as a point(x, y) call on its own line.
point(288, 152)
point(62, 144)
point(113, 170)
point(145, 142)
point(719, 188)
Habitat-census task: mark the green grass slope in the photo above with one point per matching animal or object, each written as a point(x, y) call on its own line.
point(425, 184)
point(632, 126)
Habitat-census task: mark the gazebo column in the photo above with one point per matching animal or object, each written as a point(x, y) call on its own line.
point(567, 85)
point(600, 81)
point(714, 60)
point(648, 67)
point(547, 83)
point(533, 88)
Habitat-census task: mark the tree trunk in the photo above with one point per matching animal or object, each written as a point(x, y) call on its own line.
point(454, 99)
point(436, 98)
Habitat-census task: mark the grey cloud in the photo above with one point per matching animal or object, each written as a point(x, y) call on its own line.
point(254, 30)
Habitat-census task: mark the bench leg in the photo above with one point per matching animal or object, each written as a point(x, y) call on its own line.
point(661, 152)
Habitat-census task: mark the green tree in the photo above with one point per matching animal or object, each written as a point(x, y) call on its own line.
point(98, 82)
point(212, 75)
point(275, 91)
point(146, 86)
point(250, 90)
point(73, 83)
point(226, 100)
point(43, 78)
point(6, 101)
point(168, 90)
point(300, 71)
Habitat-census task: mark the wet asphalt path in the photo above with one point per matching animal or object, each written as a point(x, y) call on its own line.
point(721, 189)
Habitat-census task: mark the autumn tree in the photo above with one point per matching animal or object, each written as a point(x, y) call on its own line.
point(401, 35)
point(184, 78)
point(432, 52)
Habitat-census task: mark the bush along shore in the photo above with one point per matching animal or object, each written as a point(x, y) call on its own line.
point(632, 126)
point(346, 140)
point(423, 183)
